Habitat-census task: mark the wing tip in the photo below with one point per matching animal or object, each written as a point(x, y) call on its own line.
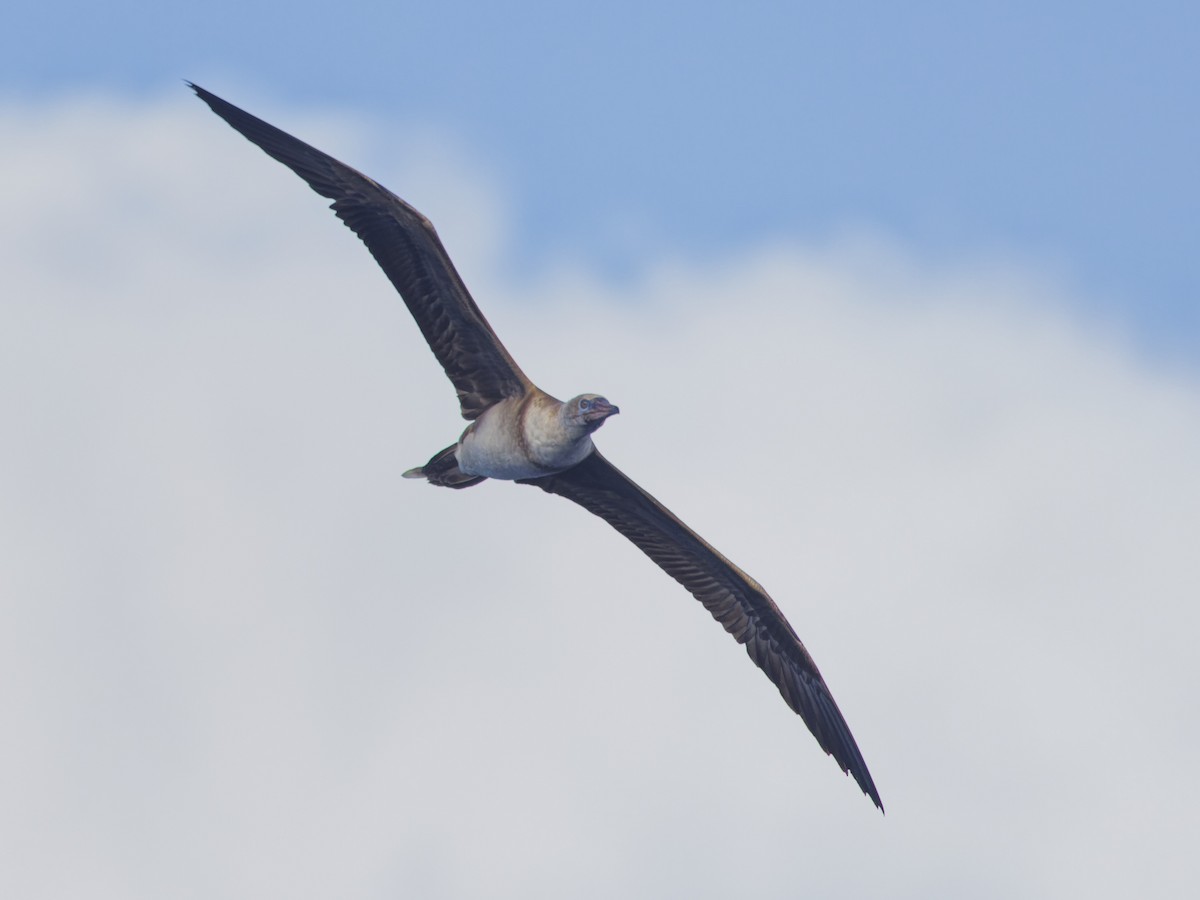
point(851, 761)
point(869, 789)
point(198, 91)
point(856, 768)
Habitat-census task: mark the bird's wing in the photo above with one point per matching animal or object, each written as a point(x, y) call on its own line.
point(734, 598)
point(407, 248)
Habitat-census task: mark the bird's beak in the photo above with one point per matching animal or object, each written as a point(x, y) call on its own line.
point(601, 410)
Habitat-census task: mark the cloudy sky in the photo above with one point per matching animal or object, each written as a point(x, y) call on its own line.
point(901, 313)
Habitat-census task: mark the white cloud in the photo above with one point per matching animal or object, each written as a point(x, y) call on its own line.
point(241, 657)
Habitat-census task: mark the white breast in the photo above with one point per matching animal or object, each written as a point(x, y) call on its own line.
point(514, 440)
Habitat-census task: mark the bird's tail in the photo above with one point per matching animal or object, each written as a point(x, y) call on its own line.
point(443, 471)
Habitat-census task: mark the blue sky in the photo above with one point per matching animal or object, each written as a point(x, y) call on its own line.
point(1063, 135)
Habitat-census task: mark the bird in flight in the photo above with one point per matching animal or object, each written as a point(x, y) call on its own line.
point(520, 433)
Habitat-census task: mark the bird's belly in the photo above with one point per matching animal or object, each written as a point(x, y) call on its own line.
point(496, 460)
point(492, 448)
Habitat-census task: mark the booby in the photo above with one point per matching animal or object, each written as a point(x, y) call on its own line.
point(520, 433)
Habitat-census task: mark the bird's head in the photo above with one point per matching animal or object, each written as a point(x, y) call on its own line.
point(588, 411)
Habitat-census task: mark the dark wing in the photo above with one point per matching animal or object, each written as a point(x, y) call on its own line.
point(407, 248)
point(734, 598)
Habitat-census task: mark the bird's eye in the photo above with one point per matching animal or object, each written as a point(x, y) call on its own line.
point(585, 405)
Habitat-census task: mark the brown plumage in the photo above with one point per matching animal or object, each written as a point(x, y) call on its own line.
point(501, 443)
